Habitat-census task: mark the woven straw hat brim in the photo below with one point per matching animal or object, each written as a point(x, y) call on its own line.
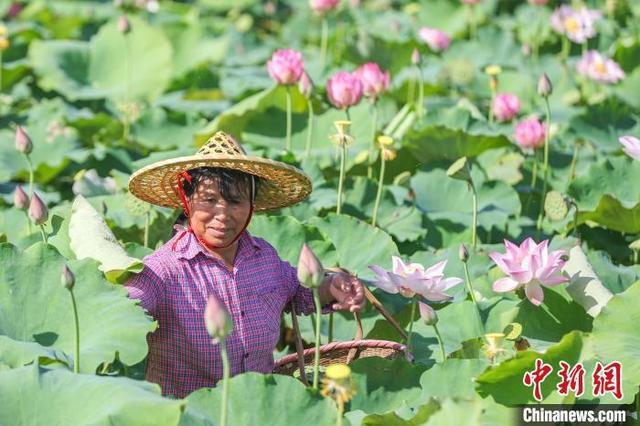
point(282, 185)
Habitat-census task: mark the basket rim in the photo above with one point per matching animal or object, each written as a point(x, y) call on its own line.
point(342, 346)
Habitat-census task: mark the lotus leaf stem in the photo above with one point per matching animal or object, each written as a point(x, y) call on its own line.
point(414, 301)
point(323, 42)
point(288, 142)
point(444, 355)
point(379, 193)
point(44, 234)
point(309, 129)
point(225, 382)
point(372, 149)
point(76, 351)
point(545, 165)
point(147, 220)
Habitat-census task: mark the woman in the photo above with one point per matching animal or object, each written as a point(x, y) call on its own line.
point(218, 189)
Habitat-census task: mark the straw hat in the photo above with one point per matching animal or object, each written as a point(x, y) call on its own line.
point(282, 185)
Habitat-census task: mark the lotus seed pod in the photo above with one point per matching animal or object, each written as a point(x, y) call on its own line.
point(460, 170)
point(555, 205)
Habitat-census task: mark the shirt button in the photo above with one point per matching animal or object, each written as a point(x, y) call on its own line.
point(246, 355)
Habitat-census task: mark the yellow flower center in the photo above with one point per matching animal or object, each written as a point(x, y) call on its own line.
point(600, 67)
point(571, 25)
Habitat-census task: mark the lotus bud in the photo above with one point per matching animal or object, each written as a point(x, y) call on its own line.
point(463, 253)
point(428, 314)
point(310, 271)
point(217, 319)
point(38, 210)
point(415, 57)
point(123, 25)
point(545, 88)
point(305, 85)
point(67, 279)
point(4, 44)
point(23, 142)
point(20, 198)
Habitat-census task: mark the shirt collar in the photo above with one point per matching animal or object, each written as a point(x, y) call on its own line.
point(189, 247)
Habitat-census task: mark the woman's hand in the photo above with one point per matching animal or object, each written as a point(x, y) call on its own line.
point(344, 290)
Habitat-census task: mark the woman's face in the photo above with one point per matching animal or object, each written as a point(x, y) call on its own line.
point(214, 219)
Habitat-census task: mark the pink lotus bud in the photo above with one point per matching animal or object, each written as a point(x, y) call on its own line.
point(538, 2)
point(428, 314)
point(305, 85)
point(67, 279)
point(435, 39)
point(463, 253)
point(217, 319)
point(374, 81)
point(286, 66)
point(471, 1)
point(38, 210)
point(23, 142)
point(20, 198)
point(344, 89)
point(310, 271)
point(545, 88)
point(530, 133)
point(123, 25)
point(415, 57)
point(506, 106)
point(322, 6)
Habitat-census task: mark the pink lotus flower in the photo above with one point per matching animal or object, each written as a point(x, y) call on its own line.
point(506, 106)
point(38, 210)
point(435, 39)
point(411, 279)
point(577, 24)
point(598, 67)
point(217, 319)
point(538, 2)
point(471, 1)
point(631, 146)
point(20, 198)
point(310, 270)
point(321, 6)
point(374, 81)
point(285, 66)
point(530, 265)
point(530, 133)
point(344, 89)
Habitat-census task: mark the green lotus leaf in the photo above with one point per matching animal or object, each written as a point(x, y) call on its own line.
point(15, 354)
point(282, 400)
point(420, 417)
point(628, 89)
point(454, 378)
point(100, 68)
point(357, 243)
point(38, 395)
point(444, 198)
point(37, 308)
point(193, 47)
point(286, 234)
point(604, 197)
point(383, 385)
point(473, 412)
point(90, 237)
point(504, 381)
point(155, 130)
point(449, 134)
point(615, 338)
point(617, 278)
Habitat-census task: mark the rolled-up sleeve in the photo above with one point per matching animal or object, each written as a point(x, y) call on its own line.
point(148, 286)
point(301, 296)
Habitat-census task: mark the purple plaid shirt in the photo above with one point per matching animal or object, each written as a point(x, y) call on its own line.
point(174, 286)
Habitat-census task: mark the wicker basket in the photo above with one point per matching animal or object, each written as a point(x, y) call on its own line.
point(343, 352)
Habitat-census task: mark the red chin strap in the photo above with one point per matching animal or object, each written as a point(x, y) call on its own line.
point(187, 212)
